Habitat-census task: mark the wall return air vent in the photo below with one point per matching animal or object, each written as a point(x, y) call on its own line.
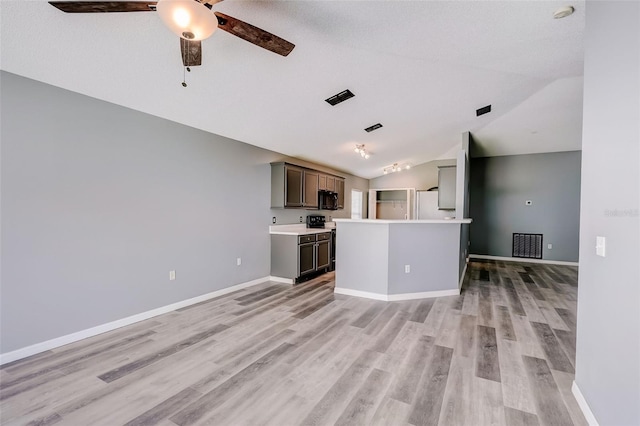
point(527, 245)
point(340, 97)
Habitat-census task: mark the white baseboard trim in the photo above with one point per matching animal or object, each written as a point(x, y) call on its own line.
point(582, 403)
point(281, 280)
point(464, 272)
point(103, 328)
point(522, 260)
point(358, 293)
point(396, 297)
point(423, 295)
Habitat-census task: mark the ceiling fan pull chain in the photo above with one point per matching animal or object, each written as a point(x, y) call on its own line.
point(186, 69)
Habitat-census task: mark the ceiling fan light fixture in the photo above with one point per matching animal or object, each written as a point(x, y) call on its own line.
point(188, 19)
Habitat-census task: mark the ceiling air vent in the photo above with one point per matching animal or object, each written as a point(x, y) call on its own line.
point(483, 110)
point(372, 128)
point(340, 97)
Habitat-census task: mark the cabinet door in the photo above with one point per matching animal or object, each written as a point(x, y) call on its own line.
point(310, 189)
point(447, 188)
point(293, 186)
point(331, 183)
point(322, 182)
point(323, 255)
point(340, 191)
point(306, 258)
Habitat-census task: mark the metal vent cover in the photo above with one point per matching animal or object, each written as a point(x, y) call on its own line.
point(483, 110)
point(340, 97)
point(527, 245)
point(372, 128)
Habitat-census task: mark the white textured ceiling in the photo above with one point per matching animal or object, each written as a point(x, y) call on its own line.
point(421, 68)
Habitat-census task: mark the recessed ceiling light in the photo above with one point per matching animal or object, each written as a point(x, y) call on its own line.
point(563, 12)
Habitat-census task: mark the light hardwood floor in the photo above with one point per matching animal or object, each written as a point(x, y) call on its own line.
point(501, 353)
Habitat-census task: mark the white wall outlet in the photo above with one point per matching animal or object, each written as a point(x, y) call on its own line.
point(407, 269)
point(600, 246)
point(239, 261)
point(528, 203)
point(549, 246)
point(273, 219)
point(300, 219)
point(172, 275)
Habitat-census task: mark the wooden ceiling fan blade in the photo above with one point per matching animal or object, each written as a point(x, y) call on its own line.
point(104, 6)
point(191, 52)
point(254, 35)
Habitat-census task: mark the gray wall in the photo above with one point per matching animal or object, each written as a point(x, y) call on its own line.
point(432, 252)
point(608, 344)
point(498, 191)
point(463, 177)
point(421, 177)
point(99, 202)
point(362, 257)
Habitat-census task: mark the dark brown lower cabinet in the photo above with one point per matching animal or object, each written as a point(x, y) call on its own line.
point(298, 257)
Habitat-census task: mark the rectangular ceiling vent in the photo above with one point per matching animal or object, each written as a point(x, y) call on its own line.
point(483, 110)
point(372, 128)
point(340, 97)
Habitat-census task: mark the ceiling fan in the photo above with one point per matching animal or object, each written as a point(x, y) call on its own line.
point(192, 20)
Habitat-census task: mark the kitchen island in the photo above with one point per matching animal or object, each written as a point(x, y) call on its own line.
point(400, 259)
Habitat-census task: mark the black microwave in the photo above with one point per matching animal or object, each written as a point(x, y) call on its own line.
point(327, 200)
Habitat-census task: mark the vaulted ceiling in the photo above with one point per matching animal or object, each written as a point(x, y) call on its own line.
point(421, 68)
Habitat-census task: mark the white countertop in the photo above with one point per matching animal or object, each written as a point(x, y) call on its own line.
point(299, 229)
point(385, 221)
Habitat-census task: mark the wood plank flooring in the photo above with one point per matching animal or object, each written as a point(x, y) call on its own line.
point(503, 352)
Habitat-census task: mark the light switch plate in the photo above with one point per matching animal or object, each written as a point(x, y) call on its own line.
point(600, 246)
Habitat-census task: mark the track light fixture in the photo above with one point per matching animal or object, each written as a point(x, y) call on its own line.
point(363, 152)
point(395, 167)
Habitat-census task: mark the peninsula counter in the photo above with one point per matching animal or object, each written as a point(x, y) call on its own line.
point(400, 259)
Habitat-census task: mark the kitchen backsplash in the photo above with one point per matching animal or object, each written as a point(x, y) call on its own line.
point(293, 216)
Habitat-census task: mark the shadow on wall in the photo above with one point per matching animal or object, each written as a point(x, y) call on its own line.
point(477, 188)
